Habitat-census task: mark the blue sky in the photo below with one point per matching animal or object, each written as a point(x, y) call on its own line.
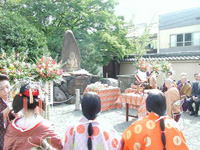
point(146, 10)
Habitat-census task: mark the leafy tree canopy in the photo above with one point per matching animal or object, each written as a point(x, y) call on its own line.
point(18, 34)
point(99, 32)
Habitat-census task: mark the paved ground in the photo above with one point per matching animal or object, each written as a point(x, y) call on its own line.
point(65, 114)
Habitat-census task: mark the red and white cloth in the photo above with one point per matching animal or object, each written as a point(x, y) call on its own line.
point(135, 101)
point(108, 97)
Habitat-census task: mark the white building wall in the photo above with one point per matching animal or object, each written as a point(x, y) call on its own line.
point(164, 35)
point(127, 68)
point(189, 67)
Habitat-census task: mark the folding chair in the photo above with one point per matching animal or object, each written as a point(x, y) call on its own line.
point(176, 116)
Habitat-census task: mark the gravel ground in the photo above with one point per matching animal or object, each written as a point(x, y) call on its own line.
point(65, 114)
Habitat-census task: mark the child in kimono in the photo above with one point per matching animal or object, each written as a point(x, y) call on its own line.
point(89, 133)
point(156, 131)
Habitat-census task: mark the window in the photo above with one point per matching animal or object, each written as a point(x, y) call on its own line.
point(187, 39)
point(173, 40)
point(196, 38)
point(179, 40)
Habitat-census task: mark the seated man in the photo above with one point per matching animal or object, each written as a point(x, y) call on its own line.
point(185, 90)
point(164, 88)
point(152, 80)
point(195, 98)
point(182, 74)
point(172, 95)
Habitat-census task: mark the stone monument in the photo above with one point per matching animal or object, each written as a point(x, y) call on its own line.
point(70, 53)
point(74, 77)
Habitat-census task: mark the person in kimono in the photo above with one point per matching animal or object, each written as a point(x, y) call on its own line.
point(157, 131)
point(5, 111)
point(172, 95)
point(31, 130)
point(89, 133)
point(151, 76)
point(164, 88)
point(195, 97)
point(185, 90)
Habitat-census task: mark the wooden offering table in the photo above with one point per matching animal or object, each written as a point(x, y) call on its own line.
point(135, 101)
point(108, 96)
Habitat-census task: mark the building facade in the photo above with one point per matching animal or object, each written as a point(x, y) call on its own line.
point(178, 41)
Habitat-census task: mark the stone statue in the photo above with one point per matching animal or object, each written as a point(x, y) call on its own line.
point(70, 53)
point(72, 61)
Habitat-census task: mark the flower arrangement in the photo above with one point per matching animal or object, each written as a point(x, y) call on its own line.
point(47, 69)
point(156, 66)
point(14, 66)
point(17, 68)
point(166, 67)
point(142, 65)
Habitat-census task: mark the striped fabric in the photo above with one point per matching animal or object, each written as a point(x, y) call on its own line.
point(108, 97)
point(135, 101)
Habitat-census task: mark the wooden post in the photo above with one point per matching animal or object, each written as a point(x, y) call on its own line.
point(106, 75)
point(48, 111)
point(77, 105)
point(127, 112)
point(48, 95)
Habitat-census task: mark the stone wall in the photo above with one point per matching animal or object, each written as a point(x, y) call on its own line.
point(66, 89)
point(126, 81)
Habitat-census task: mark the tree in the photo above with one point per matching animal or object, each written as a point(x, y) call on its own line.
point(99, 32)
point(16, 33)
point(139, 42)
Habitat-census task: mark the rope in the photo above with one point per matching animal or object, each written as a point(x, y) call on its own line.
point(64, 100)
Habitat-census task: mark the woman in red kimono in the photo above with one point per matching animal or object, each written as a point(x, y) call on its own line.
point(5, 111)
point(31, 130)
point(156, 131)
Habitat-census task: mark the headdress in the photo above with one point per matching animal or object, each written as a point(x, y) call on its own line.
point(29, 92)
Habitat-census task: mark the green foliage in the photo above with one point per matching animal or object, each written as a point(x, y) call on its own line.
point(17, 33)
point(139, 42)
point(17, 68)
point(99, 32)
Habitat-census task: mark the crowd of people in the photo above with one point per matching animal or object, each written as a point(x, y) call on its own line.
point(22, 126)
point(188, 92)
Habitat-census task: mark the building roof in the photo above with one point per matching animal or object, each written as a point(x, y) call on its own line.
point(182, 18)
point(168, 57)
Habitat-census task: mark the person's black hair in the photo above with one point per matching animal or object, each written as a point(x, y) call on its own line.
point(156, 102)
point(91, 106)
point(18, 101)
point(4, 77)
point(195, 74)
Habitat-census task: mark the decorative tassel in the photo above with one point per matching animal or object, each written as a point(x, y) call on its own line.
point(13, 94)
point(31, 96)
point(40, 105)
point(49, 141)
point(25, 103)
